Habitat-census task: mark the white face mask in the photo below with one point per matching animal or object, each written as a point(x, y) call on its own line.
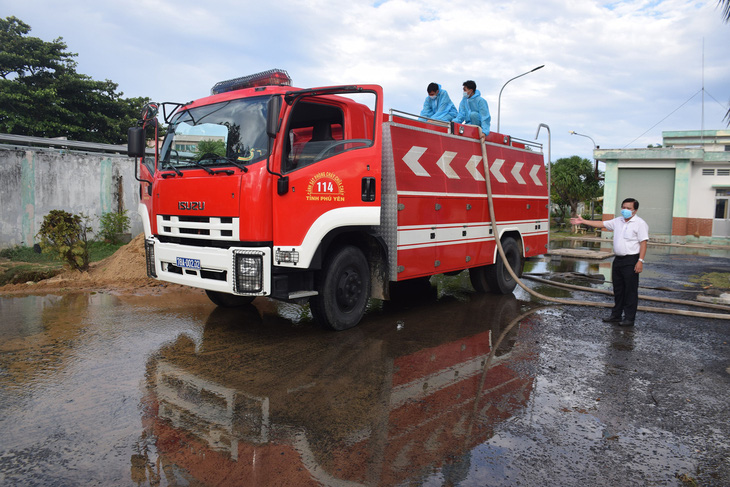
point(466, 94)
point(433, 97)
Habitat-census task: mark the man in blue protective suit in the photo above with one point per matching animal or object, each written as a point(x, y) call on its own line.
point(438, 105)
point(473, 109)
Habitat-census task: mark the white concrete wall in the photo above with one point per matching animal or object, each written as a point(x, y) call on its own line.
point(701, 193)
point(36, 181)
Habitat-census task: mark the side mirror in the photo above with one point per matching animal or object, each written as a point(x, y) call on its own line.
point(272, 116)
point(135, 142)
point(149, 111)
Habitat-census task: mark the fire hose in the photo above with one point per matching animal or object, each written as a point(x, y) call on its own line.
point(573, 302)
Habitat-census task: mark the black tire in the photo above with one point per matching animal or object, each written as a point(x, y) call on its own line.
point(495, 278)
point(226, 300)
point(344, 288)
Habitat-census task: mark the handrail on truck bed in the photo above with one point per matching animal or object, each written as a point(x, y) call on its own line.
point(510, 141)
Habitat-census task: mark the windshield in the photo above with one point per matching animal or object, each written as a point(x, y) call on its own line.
point(230, 132)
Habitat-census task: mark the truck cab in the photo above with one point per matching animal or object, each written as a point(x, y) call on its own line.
point(252, 186)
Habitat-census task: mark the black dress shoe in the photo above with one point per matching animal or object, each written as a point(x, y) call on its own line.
point(626, 323)
point(611, 319)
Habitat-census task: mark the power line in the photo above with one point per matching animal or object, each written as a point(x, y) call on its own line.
point(660, 121)
point(724, 107)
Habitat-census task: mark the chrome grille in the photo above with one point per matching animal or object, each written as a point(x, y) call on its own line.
point(202, 227)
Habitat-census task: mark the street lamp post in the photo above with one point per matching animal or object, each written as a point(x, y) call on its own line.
point(499, 100)
point(573, 132)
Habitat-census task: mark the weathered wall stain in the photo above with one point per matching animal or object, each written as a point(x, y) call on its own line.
point(34, 182)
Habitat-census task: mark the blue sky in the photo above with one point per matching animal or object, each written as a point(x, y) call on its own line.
point(620, 72)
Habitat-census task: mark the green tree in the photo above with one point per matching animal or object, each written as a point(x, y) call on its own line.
point(574, 180)
point(41, 93)
point(211, 146)
point(112, 225)
point(63, 235)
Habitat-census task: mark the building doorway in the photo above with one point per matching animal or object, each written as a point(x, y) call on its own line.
point(721, 223)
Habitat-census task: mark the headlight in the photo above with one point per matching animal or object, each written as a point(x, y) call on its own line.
point(248, 272)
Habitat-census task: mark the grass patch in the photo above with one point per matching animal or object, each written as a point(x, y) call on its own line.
point(561, 234)
point(19, 272)
point(25, 254)
point(101, 250)
point(718, 280)
point(97, 251)
point(25, 264)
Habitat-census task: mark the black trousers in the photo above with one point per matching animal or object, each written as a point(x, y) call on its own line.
point(625, 287)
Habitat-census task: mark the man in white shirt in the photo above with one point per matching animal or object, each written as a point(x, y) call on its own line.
point(630, 235)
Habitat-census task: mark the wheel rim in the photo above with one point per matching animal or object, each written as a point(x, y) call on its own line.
point(513, 259)
point(349, 289)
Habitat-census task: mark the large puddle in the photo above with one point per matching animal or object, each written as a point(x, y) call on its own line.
point(102, 389)
point(449, 388)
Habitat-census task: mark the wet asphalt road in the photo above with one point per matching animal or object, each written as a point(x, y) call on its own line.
point(451, 388)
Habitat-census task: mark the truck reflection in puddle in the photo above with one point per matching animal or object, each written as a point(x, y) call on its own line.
point(268, 404)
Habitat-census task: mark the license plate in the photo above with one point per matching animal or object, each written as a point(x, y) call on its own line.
point(188, 263)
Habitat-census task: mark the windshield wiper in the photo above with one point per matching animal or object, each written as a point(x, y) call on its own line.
point(227, 159)
point(235, 163)
point(172, 166)
point(207, 169)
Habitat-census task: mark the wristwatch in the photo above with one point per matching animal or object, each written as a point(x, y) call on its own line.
point(641, 260)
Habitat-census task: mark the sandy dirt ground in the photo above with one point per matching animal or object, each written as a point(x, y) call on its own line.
point(123, 273)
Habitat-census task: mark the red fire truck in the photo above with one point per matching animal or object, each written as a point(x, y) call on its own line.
point(262, 189)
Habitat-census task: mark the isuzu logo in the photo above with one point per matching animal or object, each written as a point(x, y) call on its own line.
point(191, 205)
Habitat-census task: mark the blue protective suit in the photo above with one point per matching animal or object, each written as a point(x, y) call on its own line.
point(442, 108)
point(475, 111)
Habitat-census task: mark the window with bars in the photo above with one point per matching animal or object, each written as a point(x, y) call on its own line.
point(708, 172)
point(723, 172)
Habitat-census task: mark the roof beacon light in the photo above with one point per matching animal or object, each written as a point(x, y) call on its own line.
point(272, 77)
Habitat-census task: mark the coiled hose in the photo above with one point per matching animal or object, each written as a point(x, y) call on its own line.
point(573, 302)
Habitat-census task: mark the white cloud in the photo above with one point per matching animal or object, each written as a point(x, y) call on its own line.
point(612, 69)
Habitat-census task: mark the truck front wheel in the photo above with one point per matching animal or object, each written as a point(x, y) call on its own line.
point(226, 300)
point(495, 278)
point(344, 288)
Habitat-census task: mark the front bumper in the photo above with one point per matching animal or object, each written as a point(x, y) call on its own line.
point(218, 269)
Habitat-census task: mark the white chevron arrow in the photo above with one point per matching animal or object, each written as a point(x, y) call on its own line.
point(444, 163)
point(496, 167)
point(411, 160)
point(471, 166)
point(533, 174)
point(516, 172)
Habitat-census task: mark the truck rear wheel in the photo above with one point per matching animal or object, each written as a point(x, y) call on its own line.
point(495, 278)
point(344, 289)
point(226, 300)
